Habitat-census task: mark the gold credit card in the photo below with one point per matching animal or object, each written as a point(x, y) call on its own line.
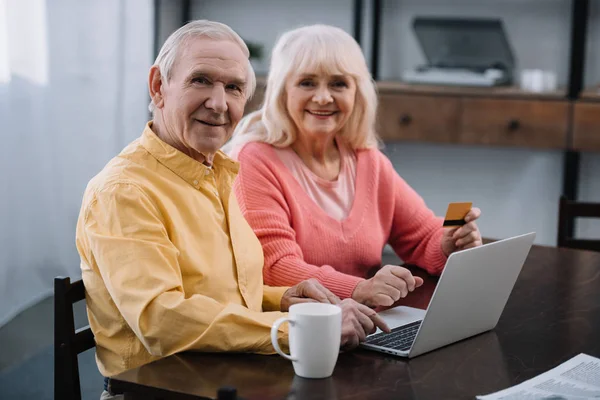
point(456, 213)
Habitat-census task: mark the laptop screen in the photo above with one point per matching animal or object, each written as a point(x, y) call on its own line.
point(464, 43)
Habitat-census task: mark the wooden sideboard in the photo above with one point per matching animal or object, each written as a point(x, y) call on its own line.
point(503, 116)
point(586, 121)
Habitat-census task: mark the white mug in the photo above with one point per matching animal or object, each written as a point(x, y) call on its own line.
point(315, 335)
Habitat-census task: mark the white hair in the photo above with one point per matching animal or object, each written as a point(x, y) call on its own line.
point(200, 28)
point(309, 49)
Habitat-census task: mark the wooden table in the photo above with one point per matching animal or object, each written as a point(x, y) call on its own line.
point(552, 315)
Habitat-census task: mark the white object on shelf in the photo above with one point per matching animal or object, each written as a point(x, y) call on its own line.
point(537, 80)
point(455, 76)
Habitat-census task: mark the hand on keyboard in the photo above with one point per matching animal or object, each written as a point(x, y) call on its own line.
point(358, 321)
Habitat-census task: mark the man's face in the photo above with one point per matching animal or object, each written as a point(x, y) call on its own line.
point(205, 96)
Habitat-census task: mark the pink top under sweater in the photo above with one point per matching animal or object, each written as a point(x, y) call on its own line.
point(301, 241)
point(334, 197)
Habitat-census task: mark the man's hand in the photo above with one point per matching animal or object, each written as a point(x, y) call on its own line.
point(307, 291)
point(388, 285)
point(358, 321)
point(465, 237)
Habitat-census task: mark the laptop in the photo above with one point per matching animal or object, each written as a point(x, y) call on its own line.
point(462, 51)
point(468, 299)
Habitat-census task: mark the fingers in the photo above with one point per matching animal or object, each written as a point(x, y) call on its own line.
point(382, 300)
point(418, 281)
point(470, 225)
point(331, 298)
point(298, 300)
point(313, 289)
point(374, 317)
point(380, 323)
point(349, 341)
point(393, 293)
point(390, 284)
point(366, 324)
point(359, 321)
point(465, 230)
point(472, 244)
point(405, 275)
point(473, 214)
point(449, 232)
point(359, 328)
point(468, 239)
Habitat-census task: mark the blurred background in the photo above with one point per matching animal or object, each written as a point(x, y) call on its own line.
point(73, 93)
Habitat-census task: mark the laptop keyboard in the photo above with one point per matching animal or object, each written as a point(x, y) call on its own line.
point(400, 338)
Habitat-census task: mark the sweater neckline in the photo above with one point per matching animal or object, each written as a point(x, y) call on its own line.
point(352, 221)
point(345, 153)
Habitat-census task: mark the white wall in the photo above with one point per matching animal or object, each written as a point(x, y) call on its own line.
point(517, 189)
point(264, 20)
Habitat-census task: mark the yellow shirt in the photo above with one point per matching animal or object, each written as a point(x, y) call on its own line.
point(168, 261)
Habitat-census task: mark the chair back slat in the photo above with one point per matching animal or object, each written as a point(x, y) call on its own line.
point(84, 339)
point(583, 244)
point(68, 342)
point(584, 210)
point(76, 292)
point(567, 212)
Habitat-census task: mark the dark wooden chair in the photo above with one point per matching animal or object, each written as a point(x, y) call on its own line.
point(568, 211)
point(68, 342)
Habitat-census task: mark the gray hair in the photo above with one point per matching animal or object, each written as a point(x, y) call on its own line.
point(199, 28)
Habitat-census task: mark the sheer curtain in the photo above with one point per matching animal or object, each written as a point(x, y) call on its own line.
point(73, 92)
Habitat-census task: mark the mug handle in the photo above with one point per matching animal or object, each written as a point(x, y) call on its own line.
point(274, 336)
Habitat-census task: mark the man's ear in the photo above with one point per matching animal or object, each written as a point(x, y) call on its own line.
point(155, 86)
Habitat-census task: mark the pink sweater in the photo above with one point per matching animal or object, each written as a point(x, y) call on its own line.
point(301, 241)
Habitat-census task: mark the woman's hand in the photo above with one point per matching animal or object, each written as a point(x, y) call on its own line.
point(464, 237)
point(389, 284)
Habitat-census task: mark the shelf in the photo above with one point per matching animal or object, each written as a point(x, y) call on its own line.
point(586, 123)
point(497, 91)
point(591, 93)
point(498, 116)
point(391, 87)
point(477, 120)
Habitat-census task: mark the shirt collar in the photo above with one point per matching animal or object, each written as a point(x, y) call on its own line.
point(181, 164)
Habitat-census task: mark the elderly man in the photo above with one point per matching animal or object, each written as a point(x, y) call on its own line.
point(168, 261)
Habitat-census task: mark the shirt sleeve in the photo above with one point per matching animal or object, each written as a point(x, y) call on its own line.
point(139, 266)
point(266, 210)
point(272, 297)
point(416, 234)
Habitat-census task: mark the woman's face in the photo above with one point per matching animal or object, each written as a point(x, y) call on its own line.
point(319, 103)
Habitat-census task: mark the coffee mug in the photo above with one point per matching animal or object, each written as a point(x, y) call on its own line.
point(315, 334)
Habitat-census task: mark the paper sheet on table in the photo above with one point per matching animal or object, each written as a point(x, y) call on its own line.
point(575, 379)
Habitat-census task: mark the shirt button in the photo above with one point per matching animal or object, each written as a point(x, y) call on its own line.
point(207, 172)
point(195, 182)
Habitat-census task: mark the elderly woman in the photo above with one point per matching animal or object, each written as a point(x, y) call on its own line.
point(320, 196)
